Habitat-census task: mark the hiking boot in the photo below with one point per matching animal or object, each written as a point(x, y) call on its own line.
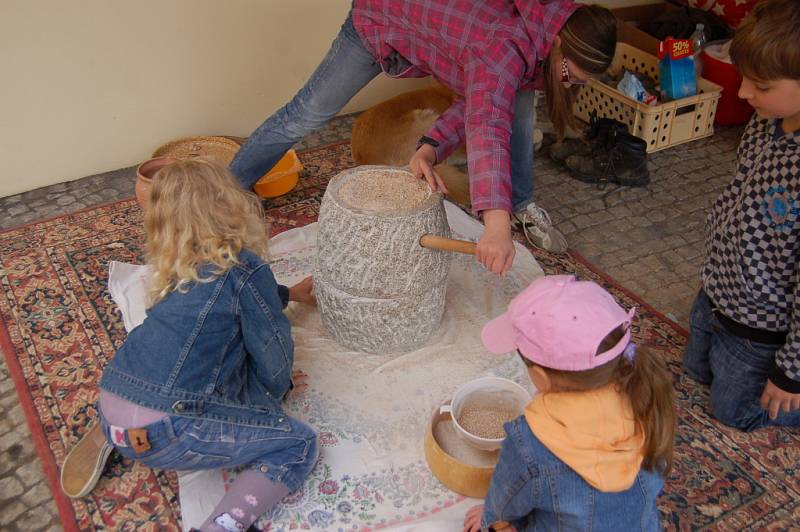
point(85, 462)
point(535, 224)
point(625, 163)
point(559, 151)
point(603, 130)
point(599, 137)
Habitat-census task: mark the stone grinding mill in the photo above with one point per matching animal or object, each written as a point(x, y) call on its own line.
point(378, 289)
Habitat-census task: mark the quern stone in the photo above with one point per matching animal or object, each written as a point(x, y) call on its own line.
point(378, 290)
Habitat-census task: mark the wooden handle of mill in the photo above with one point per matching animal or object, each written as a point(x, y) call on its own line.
point(447, 244)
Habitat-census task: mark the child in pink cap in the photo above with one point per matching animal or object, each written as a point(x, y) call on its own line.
point(593, 447)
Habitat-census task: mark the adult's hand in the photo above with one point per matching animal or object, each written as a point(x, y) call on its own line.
point(303, 292)
point(421, 165)
point(775, 400)
point(495, 249)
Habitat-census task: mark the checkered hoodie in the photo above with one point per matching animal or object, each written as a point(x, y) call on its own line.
point(752, 269)
point(481, 50)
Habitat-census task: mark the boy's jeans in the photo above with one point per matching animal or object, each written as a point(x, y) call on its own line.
point(190, 444)
point(736, 368)
point(344, 71)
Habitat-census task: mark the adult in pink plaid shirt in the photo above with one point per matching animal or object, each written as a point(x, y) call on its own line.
point(491, 53)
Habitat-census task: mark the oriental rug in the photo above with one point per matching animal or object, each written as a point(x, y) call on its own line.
point(60, 327)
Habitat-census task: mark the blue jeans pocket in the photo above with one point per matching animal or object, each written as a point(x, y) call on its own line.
point(756, 357)
point(765, 351)
point(740, 372)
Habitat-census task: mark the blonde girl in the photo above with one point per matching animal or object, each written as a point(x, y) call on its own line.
point(199, 384)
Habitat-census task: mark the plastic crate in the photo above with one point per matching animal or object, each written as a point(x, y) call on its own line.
point(661, 126)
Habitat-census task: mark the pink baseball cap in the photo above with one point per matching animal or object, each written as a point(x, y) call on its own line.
point(559, 322)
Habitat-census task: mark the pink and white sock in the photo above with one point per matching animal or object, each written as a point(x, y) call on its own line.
point(250, 495)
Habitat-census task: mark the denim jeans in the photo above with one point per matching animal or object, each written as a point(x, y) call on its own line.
point(190, 444)
point(522, 149)
point(345, 70)
point(736, 368)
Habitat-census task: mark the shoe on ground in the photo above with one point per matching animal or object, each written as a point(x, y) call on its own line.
point(538, 139)
point(625, 163)
point(535, 224)
point(602, 131)
point(559, 151)
point(84, 463)
point(598, 139)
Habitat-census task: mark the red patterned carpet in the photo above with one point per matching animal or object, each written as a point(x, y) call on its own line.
point(60, 327)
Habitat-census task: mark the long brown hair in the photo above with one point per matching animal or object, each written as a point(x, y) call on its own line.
point(588, 39)
point(646, 382)
point(762, 48)
point(198, 214)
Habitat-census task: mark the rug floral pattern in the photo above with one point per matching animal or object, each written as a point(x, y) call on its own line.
point(60, 327)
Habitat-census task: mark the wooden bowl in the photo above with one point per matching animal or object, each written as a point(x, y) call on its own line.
point(459, 476)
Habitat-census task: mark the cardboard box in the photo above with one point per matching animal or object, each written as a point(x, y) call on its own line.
point(632, 17)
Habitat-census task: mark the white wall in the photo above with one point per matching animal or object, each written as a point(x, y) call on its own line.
point(88, 86)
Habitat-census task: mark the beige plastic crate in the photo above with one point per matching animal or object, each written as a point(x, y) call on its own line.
point(661, 126)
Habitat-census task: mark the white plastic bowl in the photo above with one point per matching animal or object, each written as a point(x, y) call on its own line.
point(510, 395)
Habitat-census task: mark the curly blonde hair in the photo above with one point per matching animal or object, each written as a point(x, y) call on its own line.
point(198, 214)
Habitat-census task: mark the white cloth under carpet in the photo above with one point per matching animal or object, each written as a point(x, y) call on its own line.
point(371, 411)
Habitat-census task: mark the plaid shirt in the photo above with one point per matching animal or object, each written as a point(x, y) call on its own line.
point(752, 269)
point(482, 50)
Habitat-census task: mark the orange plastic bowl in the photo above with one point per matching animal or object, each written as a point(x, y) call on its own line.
point(281, 179)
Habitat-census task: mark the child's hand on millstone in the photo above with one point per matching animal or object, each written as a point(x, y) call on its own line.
point(303, 292)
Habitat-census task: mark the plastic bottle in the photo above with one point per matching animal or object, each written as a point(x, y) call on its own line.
point(698, 39)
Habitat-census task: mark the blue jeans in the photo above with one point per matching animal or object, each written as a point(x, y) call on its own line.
point(190, 444)
point(736, 368)
point(344, 71)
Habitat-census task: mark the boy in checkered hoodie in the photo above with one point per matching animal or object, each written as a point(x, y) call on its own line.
point(745, 322)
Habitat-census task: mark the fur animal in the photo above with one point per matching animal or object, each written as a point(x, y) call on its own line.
point(387, 134)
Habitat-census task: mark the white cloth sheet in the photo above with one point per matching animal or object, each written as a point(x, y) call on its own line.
point(371, 410)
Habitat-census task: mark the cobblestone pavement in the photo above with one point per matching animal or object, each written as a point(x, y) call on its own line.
point(650, 240)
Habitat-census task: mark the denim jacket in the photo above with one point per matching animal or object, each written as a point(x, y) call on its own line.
point(222, 350)
point(534, 490)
